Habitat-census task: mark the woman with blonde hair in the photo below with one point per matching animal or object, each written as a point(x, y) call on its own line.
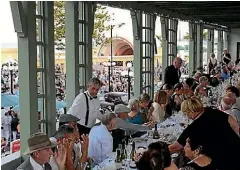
point(134, 116)
point(213, 129)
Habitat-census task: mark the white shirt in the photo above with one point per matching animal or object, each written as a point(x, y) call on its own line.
point(158, 113)
point(35, 165)
point(79, 108)
point(53, 163)
point(100, 143)
point(6, 122)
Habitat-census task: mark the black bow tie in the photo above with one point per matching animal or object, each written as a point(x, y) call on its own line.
point(91, 97)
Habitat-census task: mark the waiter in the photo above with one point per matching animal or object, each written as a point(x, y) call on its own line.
point(226, 56)
point(172, 72)
point(86, 107)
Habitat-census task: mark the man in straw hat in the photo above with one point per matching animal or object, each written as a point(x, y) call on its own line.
point(124, 128)
point(39, 148)
point(122, 113)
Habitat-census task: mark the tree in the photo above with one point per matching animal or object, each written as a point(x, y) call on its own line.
point(101, 26)
point(187, 36)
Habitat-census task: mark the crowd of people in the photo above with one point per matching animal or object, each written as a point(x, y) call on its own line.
point(210, 142)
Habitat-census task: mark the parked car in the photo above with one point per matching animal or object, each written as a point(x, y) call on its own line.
point(117, 97)
point(106, 107)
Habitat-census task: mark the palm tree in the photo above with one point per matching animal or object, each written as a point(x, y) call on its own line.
point(187, 36)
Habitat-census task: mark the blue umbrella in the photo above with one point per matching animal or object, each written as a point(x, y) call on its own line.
point(8, 100)
point(59, 105)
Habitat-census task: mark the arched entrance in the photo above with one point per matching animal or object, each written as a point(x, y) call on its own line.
point(121, 46)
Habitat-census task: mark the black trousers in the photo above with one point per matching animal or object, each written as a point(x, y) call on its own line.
point(118, 136)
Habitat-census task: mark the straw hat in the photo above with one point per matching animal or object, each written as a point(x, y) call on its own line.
point(39, 141)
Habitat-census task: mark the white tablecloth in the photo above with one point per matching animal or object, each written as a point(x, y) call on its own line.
point(10, 157)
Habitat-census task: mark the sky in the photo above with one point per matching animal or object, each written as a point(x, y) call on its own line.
point(8, 37)
point(7, 32)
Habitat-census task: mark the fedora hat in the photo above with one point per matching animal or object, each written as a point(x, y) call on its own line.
point(66, 118)
point(39, 141)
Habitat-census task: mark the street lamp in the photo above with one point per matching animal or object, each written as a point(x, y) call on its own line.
point(110, 66)
point(10, 67)
point(129, 66)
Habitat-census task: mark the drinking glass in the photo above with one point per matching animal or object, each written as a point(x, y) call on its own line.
point(83, 165)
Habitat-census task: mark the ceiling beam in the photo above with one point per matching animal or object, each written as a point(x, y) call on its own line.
point(210, 26)
point(152, 9)
point(192, 4)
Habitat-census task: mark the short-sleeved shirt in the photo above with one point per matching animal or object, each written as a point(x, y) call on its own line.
point(218, 139)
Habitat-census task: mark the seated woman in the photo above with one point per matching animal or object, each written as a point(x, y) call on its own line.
point(159, 106)
point(145, 104)
point(134, 116)
point(169, 107)
point(195, 152)
point(215, 130)
point(156, 158)
point(201, 88)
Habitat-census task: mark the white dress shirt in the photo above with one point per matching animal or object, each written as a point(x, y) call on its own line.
point(100, 143)
point(35, 165)
point(79, 108)
point(53, 163)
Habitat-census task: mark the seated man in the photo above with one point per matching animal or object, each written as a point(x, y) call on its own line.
point(100, 138)
point(39, 148)
point(81, 151)
point(225, 73)
point(234, 109)
point(122, 114)
point(201, 88)
point(124, 128)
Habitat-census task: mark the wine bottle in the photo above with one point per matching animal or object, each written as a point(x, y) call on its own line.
point(132, 154)
point(155, 133)
point(118, 157)
point(124, 152)
point(89, 165)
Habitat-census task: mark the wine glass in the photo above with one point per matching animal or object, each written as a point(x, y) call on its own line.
point(83, 165)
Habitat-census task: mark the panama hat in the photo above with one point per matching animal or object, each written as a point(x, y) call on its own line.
point(39, 141)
